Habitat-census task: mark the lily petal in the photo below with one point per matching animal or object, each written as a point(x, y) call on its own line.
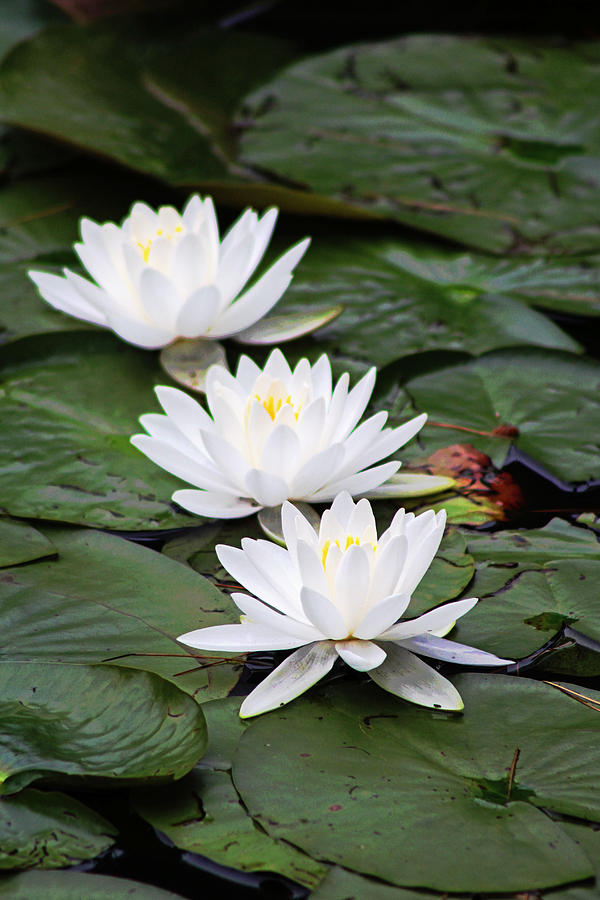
point(407, 676)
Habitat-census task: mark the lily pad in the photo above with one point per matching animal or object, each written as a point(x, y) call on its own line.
point(491, 142)
point(20, 543)
point(144, 97)
point(75, 885)
point(533, 607)
point(49, 830)
point(377, 773)
point(70, 405)
point(340, 884)
point(203, 814)
point(106, 599)
point(188, 361)
point(545, 402)
point(402, 298)
point(118, 727)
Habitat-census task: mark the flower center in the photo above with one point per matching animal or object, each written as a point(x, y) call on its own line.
point(146, 246)
point(350, 540)
point(273, 404)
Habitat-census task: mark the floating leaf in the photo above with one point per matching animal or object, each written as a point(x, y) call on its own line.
point(203, 814)
point(378, 773)
point(269, 519)
point(119, 727)
point(70, 406)
point(412, 484)
point(401, 298)
point(534, 606)
point(48, 830)
point(491, 142)
point(75, 885)
point(20, 542)
point(188, 361)
point(545, 402)
point(108, 599)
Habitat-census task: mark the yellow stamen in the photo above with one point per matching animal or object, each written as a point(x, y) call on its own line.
point(273, 407)
point(350, 540)
point(145, 248)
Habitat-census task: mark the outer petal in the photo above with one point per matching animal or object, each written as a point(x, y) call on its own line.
point(382, 616)
point(137, 332)
point(198, 312)
point(361, 655)
point(295, 675)
point(260, 614)
point(451, 651)
point(409, 677)
point(265, 488)
point(245, 638)
point(61, 295)
point(173, 460)
point(429, 621)
point(358, 483)
point(215, 505)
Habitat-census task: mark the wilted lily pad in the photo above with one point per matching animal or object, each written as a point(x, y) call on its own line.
point(491, 142)
point(545, 402)
point(376, 772)
point(48, 830)
point(119, 727)
point(70, 404)
point(108, 599)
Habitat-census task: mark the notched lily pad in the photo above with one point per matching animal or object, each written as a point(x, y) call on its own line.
point(49, 830)
point(436, 787)
point(545, 402)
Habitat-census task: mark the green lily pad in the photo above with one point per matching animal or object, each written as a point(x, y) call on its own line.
point(377, 773)
point(202, 813)
point(22, 18)
point(106, 599)
point(402, 298)
point(533, 607)
point(491, 142)
point(144, 97)
point(70, 405)
point(340, 884)
point(75, 885)
point(118, 726)
point(545, 402)
point(48, 830)
point(20, 542)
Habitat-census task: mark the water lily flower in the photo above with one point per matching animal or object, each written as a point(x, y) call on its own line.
point(162, 276)
point(272, 435)
point(341, 592)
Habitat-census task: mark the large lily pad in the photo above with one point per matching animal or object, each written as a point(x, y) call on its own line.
point(118, 727)
point(75, 885)
point(491, 142)
point(49, 830)
point(377, 773)
point(108, 599)
point(203, 814)
point(147, 98)
point(545, 402)
point(402, 298)
point(70, 405)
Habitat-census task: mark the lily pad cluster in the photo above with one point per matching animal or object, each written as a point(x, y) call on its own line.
point(451, 187)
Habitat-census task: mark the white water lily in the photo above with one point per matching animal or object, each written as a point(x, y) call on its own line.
point(340, 593)
point(275, 434)
point(161, 275)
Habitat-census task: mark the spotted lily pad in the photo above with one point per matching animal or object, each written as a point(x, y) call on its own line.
point(491, 142)
point(20, 542)
point(377, 773)
point(48, 830)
